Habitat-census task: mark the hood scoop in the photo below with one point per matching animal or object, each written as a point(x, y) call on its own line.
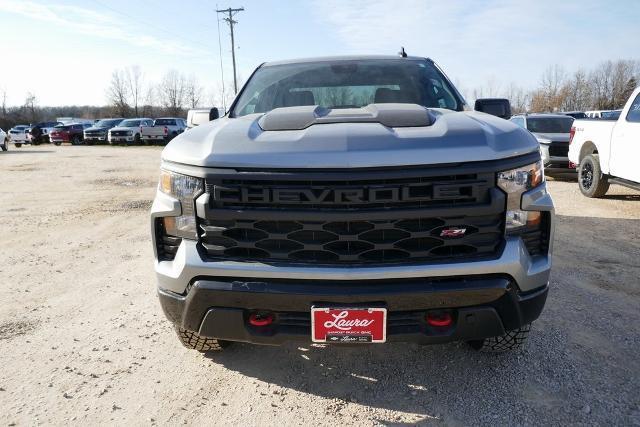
point(390, 115)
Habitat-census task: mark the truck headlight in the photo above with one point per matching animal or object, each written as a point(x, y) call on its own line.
point(185, 189)
point(514, 182)
point(130, 133)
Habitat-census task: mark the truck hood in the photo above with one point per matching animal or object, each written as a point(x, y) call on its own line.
point(556, 137)
point(93, 129)
point(124, 128)
point(450, 137)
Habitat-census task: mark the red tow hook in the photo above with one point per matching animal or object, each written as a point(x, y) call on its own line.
point(439, 319)
point(261, 319)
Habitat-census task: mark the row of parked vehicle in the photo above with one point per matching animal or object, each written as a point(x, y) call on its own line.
point(110, 130)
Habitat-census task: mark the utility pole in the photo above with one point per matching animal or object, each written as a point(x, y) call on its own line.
point(230, 14)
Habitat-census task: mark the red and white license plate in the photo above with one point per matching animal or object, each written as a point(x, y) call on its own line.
point(348, 325)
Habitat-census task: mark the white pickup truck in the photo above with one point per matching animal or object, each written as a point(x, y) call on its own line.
point(606, 151)
point(163, 130)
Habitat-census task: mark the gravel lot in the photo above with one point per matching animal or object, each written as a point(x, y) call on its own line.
point(83, 339)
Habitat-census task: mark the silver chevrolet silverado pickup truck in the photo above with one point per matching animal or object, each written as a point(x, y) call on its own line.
point(352, 200)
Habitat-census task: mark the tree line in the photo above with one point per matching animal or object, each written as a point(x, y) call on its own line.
point(606, 86)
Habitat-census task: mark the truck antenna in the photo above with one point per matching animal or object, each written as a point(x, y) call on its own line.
point(402, 52)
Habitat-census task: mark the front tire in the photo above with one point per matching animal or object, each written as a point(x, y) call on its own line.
point(592, 182)
point(75, 140)
point(193, 341)
point(18, 145)
point(509, 341)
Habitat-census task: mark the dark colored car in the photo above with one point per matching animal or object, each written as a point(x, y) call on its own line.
point(72, 133)
point(100, 130)
point(40, 132)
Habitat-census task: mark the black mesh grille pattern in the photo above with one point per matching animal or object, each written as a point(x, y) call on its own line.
point(559, 149)
point(363, 217)
point(167, 246)
point(537, 239)
point(119, 132)
point(376, 241)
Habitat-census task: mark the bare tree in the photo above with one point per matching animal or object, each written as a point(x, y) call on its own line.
point(193, 92)
point(135, 86)
point(30, 105)
point(118, 93)
point(172, 91)
point(3, 99)
point(518, 97)
point(150, 100)
point(577, 92)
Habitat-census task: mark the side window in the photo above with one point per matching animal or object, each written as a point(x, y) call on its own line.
point(634, 111)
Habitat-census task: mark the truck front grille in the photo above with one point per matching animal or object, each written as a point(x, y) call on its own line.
point(559, 149)
point(380, 217)
point(119, 133)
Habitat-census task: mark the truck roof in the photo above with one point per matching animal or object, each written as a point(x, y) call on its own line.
point(343, 58)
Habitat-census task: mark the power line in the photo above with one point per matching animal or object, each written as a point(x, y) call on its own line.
point(230, 14)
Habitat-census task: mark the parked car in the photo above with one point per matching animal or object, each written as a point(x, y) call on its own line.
point(99, 132)
point(73, 133)
point(200, 116)
point(164, 130)
point(389, 214)
point(575, 114)
point(19, 134)
point(39, 133)
point(4, 140)
point(607, 152)
point(552, 132)
point(129, 131)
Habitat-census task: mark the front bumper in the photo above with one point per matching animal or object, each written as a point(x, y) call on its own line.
point(481, 307)
point(113, 139)
point(214, 297)
point(553, 162)
point(95, 138)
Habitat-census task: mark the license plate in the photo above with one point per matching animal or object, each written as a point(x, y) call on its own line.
point(348, 325)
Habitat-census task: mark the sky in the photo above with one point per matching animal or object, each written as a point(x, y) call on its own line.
point(64, 51)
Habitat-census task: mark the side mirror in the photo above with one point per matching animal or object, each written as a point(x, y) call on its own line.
point(214, 114)
point(495, 106)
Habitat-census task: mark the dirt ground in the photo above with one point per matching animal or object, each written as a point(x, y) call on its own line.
point(83, 339)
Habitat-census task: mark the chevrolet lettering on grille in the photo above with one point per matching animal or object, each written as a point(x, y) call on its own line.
point(353, 195)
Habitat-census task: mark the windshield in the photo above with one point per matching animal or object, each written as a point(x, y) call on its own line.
point(129, 123)
point(165, 122)
point(611, 115)
point(107, 123)
point(549, 124)
point(346, 84)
